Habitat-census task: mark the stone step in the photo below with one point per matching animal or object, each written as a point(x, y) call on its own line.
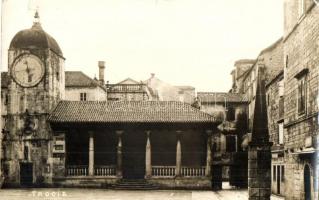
point(134, 185)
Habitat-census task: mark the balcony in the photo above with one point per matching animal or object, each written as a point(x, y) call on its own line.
point(125, 87)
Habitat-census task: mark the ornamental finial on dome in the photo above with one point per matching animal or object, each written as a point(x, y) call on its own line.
point(36, 21)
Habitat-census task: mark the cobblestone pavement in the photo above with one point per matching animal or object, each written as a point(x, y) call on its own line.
point(99, 194)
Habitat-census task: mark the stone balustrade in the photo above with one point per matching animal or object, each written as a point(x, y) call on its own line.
point(77, 170)
point(163, 171)
point(169, 171)
point(105, 170)
point(82, 170)
point(193, 171)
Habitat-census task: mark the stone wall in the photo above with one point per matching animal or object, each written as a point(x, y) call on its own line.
point(272, 60)
point(273, 107)
point(274, 118)
point(293, 13)
point(301, 53)
point(92, 93)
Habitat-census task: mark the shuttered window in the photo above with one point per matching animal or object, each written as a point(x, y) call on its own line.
point(301, 102)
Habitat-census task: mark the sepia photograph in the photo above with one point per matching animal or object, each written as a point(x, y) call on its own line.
point(159, 100)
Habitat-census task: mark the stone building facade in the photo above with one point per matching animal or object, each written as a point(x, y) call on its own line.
point(80, 87)
point(230, 109)
point(241, 68)
point(275, 109)
point(301, 84)
point(271, 60)
point(292, 101)
point(129, 90)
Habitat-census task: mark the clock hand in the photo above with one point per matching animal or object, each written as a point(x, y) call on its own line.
point(28, 69)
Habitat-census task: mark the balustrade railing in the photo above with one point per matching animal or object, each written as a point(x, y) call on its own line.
point(193, 171)
point(105, 170)
point(77, 170)
point(125, 87)
point(82, 170)
point(157, 171)
point(163, 171)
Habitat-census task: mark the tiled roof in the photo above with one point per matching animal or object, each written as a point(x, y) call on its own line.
point(220, 97)
point(79, 79)
point(4, 79)
point(127, 111)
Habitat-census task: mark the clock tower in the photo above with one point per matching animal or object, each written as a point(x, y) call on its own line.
point(37, 84)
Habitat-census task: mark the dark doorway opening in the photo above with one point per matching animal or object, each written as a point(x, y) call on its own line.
point(278, 179)
point(26, 174)
point(134, 155)
point(307, 183)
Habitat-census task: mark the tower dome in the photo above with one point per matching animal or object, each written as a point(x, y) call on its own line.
point(35, 38)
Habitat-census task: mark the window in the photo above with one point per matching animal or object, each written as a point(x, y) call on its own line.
point(6, 101)
point(282, 173)
point(281, 88)
point(274, 173)
point(59, 147)
point(83, 96)
point(301, 101)
point(230, 114)
point(26, 153)
point(281, 98)
point(281, 133)
point(231, 143)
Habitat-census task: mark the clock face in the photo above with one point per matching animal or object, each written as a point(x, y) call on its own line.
point(27, 70)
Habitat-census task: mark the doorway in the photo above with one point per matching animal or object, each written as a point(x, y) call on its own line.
point(307, 183)
point(278, 179)
point(134, 155)
point(26, 174)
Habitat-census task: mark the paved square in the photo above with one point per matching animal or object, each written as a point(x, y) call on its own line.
point(99, 194)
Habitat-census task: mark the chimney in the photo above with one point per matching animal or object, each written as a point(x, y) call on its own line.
point(101, 71)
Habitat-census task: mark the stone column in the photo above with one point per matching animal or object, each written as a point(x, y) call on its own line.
point(259, 150)
point(119, 154)
point(178, 154)
point(91, 153)
point(259, 171)
point(148, 158)
point(209, 153)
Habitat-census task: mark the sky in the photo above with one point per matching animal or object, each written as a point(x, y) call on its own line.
point(184, 42)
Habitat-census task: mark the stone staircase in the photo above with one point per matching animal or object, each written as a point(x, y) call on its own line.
point(134, 184)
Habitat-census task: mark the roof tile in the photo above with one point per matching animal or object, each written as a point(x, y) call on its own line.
point(220, 97)
point(127, 111)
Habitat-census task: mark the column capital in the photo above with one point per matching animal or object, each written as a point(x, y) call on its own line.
point(119, 132)
point(148, 133)
point(91, 132)
point(209, 132)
